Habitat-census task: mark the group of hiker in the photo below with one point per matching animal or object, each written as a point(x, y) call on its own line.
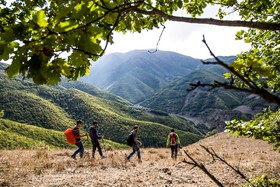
point(93, 136)
point(173, 141)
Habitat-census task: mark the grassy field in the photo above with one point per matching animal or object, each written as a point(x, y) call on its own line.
point(43, 167)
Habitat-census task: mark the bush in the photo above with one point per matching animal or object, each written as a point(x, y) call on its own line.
point(264, 181)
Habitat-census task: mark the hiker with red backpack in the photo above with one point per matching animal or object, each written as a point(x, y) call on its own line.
point(173, 141)
point(78, 143)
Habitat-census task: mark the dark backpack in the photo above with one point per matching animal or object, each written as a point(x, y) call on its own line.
point(130, 139)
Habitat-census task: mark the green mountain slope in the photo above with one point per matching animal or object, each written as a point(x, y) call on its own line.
point(19, 104)
point(60, 106)
point(116, 123)
point(138, 74)
point(18, 135)
point(206, 107)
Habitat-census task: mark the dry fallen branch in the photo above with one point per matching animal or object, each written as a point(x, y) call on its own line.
point(215, 156)
point(202, 167)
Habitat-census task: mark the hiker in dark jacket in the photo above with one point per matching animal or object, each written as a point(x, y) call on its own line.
point(94, 139)
point(79, 143)
point(136, 144)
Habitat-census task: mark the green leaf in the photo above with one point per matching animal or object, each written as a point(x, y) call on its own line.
point(66, 26)
point(14, 68)
point(40, 19)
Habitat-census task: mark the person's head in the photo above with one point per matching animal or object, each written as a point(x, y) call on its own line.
point(95, 123)
point(79, 123)
point(135, 128)
point(172, 130)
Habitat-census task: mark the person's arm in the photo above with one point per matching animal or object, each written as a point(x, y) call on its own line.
point(136, 140)
point(178, 139)
point(168, 140)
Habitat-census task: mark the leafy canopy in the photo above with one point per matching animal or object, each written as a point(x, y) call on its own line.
point(36, 34)
point(265, 126)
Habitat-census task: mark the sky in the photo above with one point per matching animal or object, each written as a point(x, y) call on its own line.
point(184, 38)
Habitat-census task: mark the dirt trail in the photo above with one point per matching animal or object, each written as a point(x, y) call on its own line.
point(55, 168)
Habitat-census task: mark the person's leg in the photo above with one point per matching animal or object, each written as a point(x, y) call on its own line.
point(172, 151)
point(74, 154)
point(93, 149)
point(81, 148)
point(99, 150)
point(132, 153)
point(137, 148)
point(76, 151)
point(176, 151)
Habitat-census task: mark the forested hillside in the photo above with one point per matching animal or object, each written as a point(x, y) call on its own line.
point(21, 135)
point(162, 80)
point(60, 106)
point(138, 74)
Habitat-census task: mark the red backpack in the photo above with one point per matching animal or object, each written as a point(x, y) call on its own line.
point(173, 138)
point(69, 135)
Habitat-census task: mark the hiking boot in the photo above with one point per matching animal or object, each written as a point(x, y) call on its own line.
point(139, 161)
point(126, 159)
point(103, 157)
point(73, 157)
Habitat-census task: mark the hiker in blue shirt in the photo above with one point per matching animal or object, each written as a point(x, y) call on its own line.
point(79, 143)
point(94, 139)
point(136, 144)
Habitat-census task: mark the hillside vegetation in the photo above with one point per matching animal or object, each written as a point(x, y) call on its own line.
point(14, 135)
point(138, 74)
point(60, 106)
point(160, 80)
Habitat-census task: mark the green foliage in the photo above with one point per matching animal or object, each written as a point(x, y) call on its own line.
point(264, 126)
point(29, 108)
point(264, 181)
point(2, 113)
point(17, 135)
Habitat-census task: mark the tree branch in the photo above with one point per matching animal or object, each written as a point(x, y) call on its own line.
point(252, 87)
point(214, 155)
point(202, 167)
point(158, 40)
point(211, 21)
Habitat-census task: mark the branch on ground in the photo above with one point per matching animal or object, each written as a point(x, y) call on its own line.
point(194, 163)
point(215, 156)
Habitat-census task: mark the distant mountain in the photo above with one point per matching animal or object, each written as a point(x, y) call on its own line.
point(58, 107)
point(160, 80)
point(210, 108)
point(138, 74)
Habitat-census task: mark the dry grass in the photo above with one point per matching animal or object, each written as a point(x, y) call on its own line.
point(56, 168)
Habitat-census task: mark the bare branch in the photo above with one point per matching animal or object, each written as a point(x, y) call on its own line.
point(158, 40)
point(215, 155)
point(252, 87)
point(202, 167)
